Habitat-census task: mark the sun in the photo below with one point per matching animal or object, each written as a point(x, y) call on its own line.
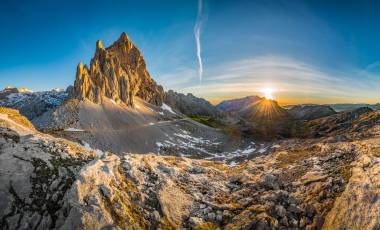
point(268, 93)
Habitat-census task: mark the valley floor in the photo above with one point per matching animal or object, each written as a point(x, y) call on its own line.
point(151, 129)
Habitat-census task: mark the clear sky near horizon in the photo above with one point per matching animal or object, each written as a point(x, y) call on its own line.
point(307, 51)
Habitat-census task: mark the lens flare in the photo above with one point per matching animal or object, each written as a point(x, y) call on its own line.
point(268, 93)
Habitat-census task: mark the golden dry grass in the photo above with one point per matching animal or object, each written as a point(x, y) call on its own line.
point(375, 151)
point(207, 226)
point(15, 116)
point(215, 165)
point(285, 159)
point(346, 172)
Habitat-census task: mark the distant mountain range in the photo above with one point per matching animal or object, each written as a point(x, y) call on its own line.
point(343, 106)
point(31, 104)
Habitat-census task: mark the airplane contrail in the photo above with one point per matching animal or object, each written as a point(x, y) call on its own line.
point(197, 34)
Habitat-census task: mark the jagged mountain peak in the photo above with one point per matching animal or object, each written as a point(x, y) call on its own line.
point(99, 45)
point(117, 72)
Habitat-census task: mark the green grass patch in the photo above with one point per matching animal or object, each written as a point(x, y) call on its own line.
point(209, 121)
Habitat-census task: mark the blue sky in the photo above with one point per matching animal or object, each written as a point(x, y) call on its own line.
point(307, 51)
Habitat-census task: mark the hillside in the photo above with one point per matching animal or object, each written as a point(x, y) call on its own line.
point(310, 112)
point(191, 105)
point(345, 123)
point(52, 183)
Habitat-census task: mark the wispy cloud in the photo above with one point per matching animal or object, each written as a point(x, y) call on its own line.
point(197, 34)
point(292, 79)
point(179, 79)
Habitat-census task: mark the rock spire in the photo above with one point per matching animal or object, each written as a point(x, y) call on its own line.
point(118, 72)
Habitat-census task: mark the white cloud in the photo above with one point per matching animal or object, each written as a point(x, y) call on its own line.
point(290, 78)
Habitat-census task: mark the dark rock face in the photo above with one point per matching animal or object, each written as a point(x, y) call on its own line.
point(310, 112)
point(256, 109)
point(119, 73)
point(191, 105)
point(352, 121)
point(235, 105)
point(261, 118)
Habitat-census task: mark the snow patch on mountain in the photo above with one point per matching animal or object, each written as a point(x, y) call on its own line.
point(167, 108)
point(32, 104)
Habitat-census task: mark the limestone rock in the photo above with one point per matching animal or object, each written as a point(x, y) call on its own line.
point(118, 72)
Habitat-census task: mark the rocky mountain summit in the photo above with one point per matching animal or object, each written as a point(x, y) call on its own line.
point(119, 73)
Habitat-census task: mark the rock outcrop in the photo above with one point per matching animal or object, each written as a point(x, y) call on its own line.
point(192, 105)
point(310, 112)
point(345, 123)
point(118, 72)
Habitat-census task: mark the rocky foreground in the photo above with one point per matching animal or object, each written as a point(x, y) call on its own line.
point(51, 183)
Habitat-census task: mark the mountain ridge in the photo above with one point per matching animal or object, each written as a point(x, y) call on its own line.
point(117, 72)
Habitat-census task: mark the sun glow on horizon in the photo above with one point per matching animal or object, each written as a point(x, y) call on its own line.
point(268, 93)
